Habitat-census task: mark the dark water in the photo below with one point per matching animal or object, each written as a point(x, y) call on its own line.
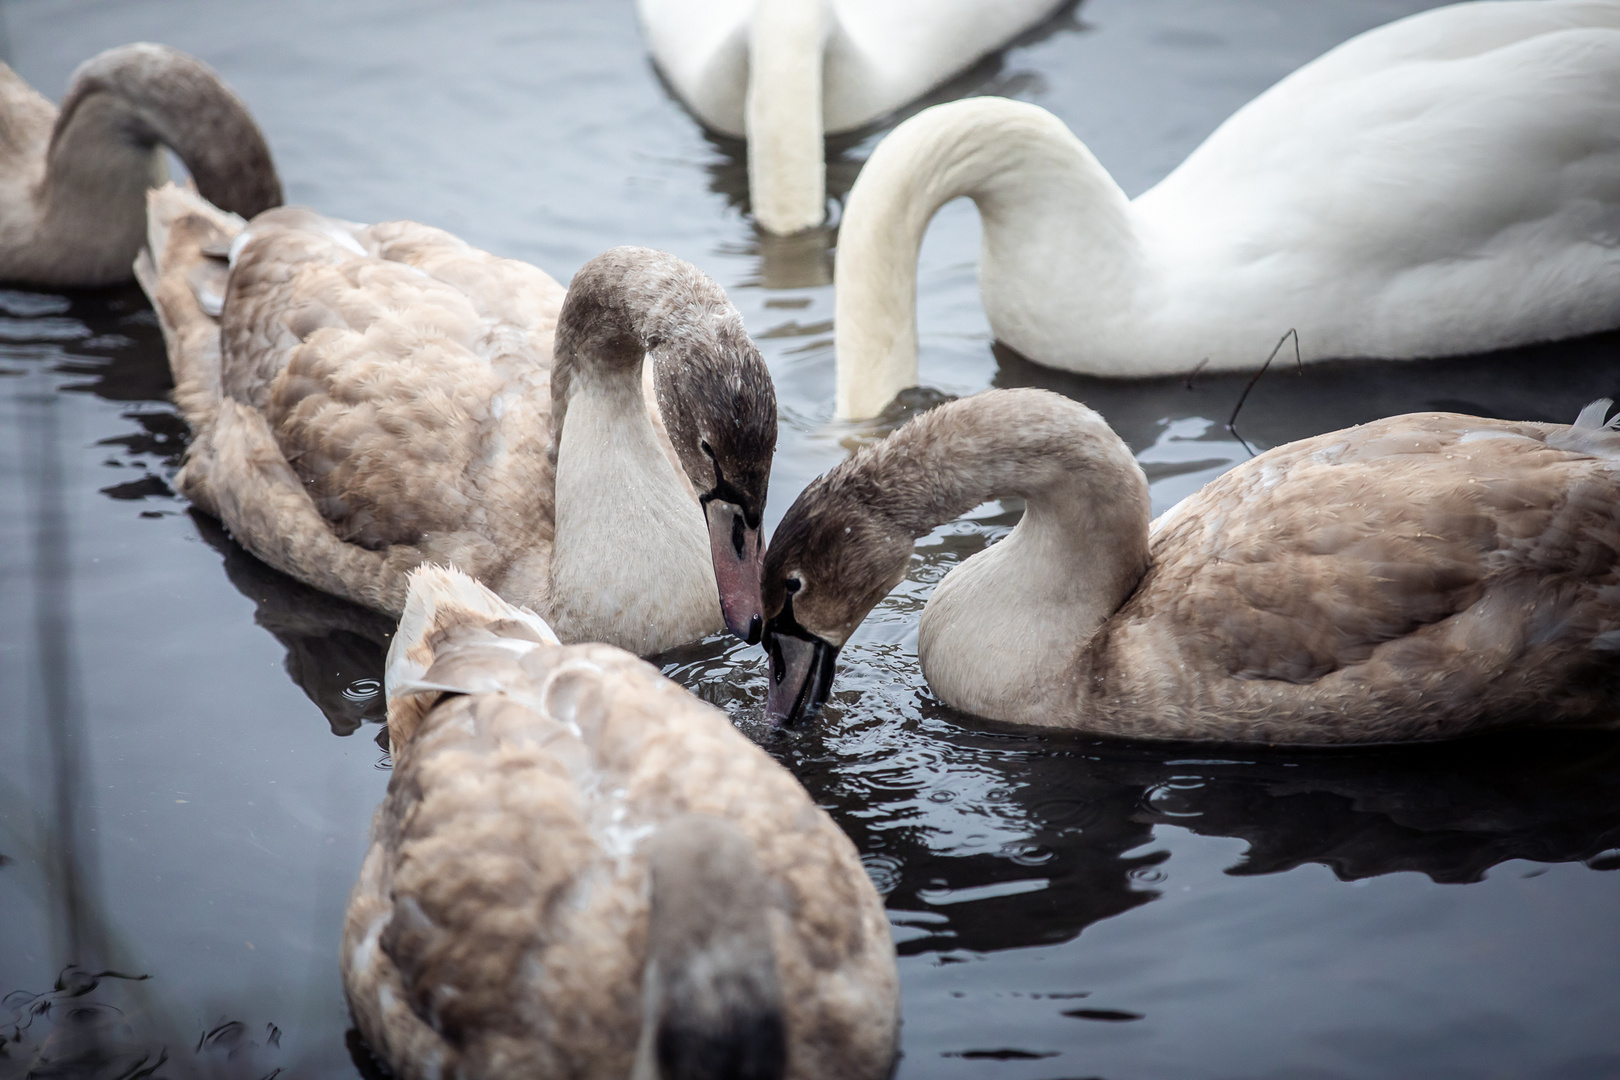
point(187, 765)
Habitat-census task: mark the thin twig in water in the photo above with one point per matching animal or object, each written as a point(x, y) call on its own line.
point(1231, 423)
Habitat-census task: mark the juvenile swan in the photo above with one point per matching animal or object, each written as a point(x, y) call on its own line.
point(1444, 185)
point(1421, 577)
point(784, 73)
point(364, 399)
point(73, 183)
point(581, 870)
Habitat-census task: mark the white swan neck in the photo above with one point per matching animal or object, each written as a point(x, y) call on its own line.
point(1042, 197)
point(787, 181)
point(630, 563)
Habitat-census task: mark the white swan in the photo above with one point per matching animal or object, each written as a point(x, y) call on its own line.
point(1443, 185)
point(1421, 577)
point(582, 870)
point(365, 399)
point(785, 73)
point(73, 182)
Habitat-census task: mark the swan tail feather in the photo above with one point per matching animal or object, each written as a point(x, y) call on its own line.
point(182, 274)
point(1592, 417)
point(444, 644)
point(1591, 433)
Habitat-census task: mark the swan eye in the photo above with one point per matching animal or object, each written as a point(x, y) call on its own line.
point(793, 585)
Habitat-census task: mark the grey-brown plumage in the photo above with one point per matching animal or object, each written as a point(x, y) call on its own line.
point(1421, 577)
point(623, 305)
point(73, 181)
point(367, 398)
point(580, 870)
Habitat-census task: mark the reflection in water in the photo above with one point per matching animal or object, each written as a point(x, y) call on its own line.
point(1532, 382)
point(63, 841)
point(103, 1025)
point(95, 1022)
point(335, 649)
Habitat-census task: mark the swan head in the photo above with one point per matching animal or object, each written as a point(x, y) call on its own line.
point(719, 406)
point(833, 557)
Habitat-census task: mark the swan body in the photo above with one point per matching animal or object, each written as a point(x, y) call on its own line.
point(1443, 185)
point(1421, 577)
point(365, 399)
point(784, 73)
point(73, 182)
point(581, 870)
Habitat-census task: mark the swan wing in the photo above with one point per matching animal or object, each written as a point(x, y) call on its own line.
point(701, 49)
point(879, 55)
point(1427, 561)
point(403, 374)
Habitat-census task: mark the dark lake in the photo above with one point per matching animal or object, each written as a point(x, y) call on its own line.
point(188, 761)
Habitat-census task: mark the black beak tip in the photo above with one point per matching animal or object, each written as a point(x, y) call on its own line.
point(804, 713)
point(751, 632)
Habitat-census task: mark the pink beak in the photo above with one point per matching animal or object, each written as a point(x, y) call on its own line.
point(739, 558)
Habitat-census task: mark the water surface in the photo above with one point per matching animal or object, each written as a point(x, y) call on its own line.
point(187, 754)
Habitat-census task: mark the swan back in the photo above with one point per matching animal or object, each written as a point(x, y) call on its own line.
point(1446, 184)
point(1421, 577)
point(574, 852)
point(403, 376)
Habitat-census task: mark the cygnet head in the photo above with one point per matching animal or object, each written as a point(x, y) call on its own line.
point(833, 557)
point(719, 406)
point(714, 395)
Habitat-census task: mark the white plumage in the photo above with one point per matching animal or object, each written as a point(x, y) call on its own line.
point(1446, 184)
point(812, 67)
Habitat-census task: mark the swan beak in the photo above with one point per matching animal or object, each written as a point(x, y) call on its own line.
point(801, 675)
point(739, 558)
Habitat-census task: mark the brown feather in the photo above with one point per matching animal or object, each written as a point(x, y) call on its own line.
point(500, 926)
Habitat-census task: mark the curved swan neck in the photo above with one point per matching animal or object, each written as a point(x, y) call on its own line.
point(1040, 192)
point(1060, 457)
point(1000, 634)
point(631, 303)
point(787, 181)
point(630, 558)
point(129, 100)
